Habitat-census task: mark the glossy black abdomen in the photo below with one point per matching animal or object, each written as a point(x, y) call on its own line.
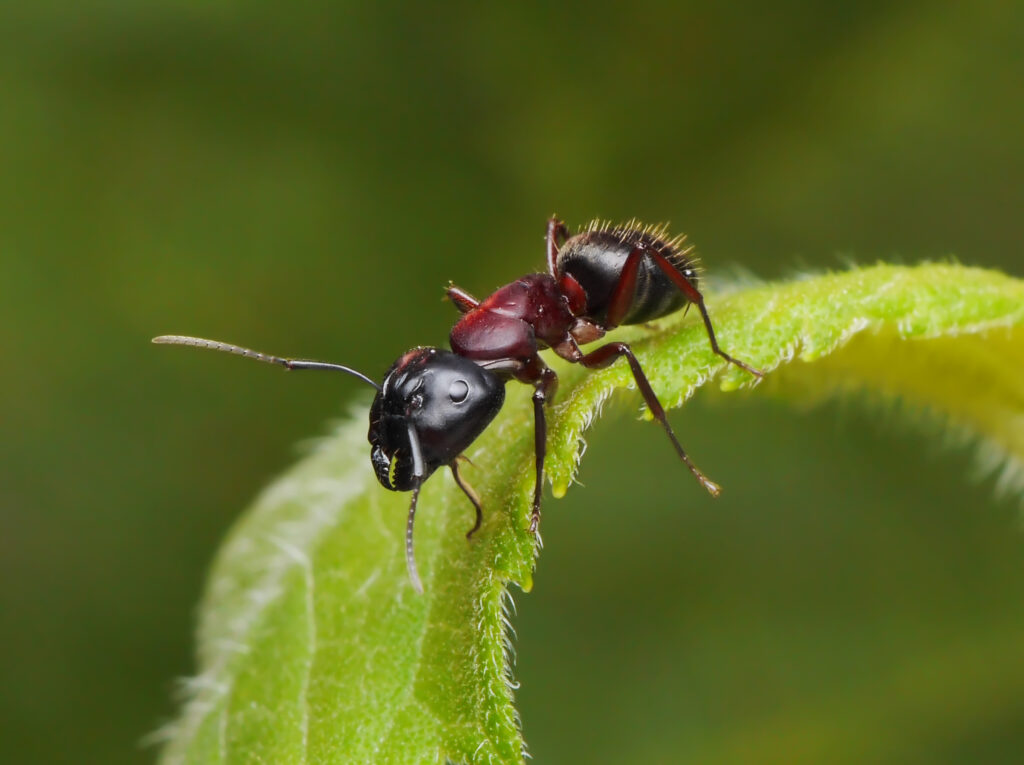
point(596, 258)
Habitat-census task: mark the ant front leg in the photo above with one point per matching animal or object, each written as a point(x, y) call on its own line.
point(607, 355)
point(470, 494)
point(556, 230)
point(545, 383)
point(462, 299)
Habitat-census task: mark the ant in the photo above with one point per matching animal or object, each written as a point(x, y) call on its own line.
point(433, 403)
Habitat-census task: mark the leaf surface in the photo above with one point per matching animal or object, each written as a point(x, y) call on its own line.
point(314, 647)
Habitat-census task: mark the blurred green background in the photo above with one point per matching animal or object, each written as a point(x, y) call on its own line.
point(305, 178)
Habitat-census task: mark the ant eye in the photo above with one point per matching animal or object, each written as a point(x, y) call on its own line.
point(458, 391)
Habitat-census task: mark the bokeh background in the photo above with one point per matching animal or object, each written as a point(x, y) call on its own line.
point(304, 178)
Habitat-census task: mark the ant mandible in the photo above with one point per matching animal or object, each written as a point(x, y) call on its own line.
point(433, 403)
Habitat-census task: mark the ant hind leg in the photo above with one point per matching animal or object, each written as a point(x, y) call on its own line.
point(694, 296)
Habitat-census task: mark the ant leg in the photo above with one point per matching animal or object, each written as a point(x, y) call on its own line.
point(624, 291)
point(545, 389)
point(694, 296)
point(556, 229)
point(470, 494)
point(545, 383)
point(462, 299)
point(605, 356)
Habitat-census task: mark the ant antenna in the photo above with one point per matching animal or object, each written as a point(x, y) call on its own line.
point(216, 345)
point(417, 472)
point(410, 558)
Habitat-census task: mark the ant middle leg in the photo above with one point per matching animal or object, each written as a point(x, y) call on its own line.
point(607, 355)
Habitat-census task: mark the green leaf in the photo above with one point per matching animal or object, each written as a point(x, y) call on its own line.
point(313, 645)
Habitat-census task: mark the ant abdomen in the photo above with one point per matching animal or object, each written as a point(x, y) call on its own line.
point(596, 258)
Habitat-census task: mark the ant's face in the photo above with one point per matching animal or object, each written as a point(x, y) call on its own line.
point(445, 399)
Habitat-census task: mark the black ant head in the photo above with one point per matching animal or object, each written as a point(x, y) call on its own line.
point(431, 406)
